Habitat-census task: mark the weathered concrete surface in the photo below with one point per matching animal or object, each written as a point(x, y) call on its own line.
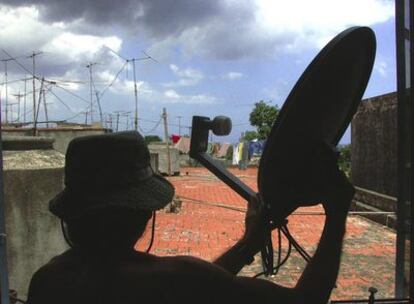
point(376, 203)
point(62, 136)
point(161, 150)
point(21, 143)
point(374, 145)
point(210, 223)
point(31, 179)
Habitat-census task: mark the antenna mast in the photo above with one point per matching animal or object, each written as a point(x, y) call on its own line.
point(6, 84)
point(34, 54)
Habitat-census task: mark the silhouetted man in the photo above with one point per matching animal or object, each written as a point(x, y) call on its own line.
point(110, 194)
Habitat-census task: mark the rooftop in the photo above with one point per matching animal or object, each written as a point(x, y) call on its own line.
point(211, 219)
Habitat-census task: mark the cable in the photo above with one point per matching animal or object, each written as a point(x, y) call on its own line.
point(73, 94)
point(16, 80)
point(59, 99)
point(113, 81)
point(299, 248)
point(277, 267)
point(152, 233)
point(152, 129)
point(78, 114)
point(19, 64)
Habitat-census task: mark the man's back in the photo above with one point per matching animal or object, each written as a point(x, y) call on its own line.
point(132, 278)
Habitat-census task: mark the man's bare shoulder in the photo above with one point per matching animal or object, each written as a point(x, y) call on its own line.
point(158, 279)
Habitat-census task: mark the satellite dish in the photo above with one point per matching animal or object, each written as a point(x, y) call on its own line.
point(318, 110)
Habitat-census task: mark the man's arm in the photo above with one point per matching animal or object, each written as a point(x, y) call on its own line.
point(319, 276)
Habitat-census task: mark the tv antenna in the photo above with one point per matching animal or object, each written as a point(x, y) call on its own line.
point(33, 56)
point(133, 60)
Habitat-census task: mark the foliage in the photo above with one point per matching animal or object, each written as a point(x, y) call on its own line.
point(229, 154)
point(250, 135)
point(262, 117)
point(152, 138)
point(344, 160)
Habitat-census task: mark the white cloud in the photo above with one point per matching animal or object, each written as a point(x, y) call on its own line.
point(187, 77)
point(22, 31)
point(74, 46)
point(381, 67)
point(171, 96)
point(315, 22)
point(270, 27)
point(233, 76)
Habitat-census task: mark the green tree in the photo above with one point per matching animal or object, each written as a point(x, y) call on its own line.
point(344, 161)
point(262, 117)
point(250, 135)
point(152, 138)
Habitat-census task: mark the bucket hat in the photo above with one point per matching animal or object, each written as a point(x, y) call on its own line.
point(110, 170)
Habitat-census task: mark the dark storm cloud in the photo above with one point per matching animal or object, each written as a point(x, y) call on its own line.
point(215, 29)
point(159, 18)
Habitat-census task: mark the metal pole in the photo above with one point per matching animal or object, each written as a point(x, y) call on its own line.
point(89, 66)
point(34, 85)
point(18, 96)
point(136, 96)
point(410, 22)
point(7, 98)
point(99, 107)
point(179, 125)
point(4, 279)
point(18, 106)
point(405, 129)
point(164, 116)
point(117, 121)
point(24, 101)
point(45, 106)
point(38, 108)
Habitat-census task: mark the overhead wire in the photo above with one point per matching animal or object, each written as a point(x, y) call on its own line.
point(73, 94)
point(60, 100)
point(157, 124)
point(113, 80)
point(19, 64)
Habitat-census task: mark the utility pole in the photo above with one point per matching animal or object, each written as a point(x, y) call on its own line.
point(89, 66)
point(18, 96)
point(136, 95)
point(45, 107)
point(11, 105)
point(127, 121)
point(34, 54)
point(164, 116)
point(179, 125)
point(24, 101)
point(117, 121)
point(110, 121)
point(6, 87)
point(99, 107)
point(37, 109)
point(86, 116)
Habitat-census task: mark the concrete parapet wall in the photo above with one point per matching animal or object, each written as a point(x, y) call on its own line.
point(381, 208)
point(374, 145)
point(161, 150)
point(31, 179)
point(62, 136)
point(375, 199)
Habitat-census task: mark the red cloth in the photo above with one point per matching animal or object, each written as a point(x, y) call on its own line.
point(175, 138)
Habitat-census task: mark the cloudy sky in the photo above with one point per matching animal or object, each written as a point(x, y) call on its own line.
point(213, 57)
